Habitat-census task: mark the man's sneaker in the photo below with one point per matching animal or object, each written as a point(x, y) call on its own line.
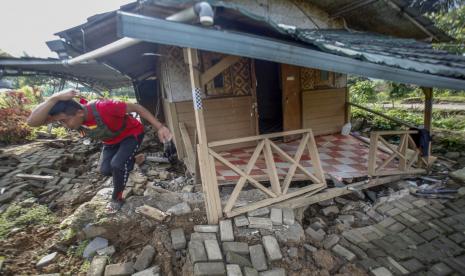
point(114, 206)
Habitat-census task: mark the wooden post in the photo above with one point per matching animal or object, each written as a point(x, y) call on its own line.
point(207, 173)
point(428, 113)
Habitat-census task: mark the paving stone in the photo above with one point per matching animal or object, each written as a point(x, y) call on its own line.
point(412, 265)
point(213, 250)
point(365, 245)
point(260, 223)
point(419, 228)
point(145, 258)
point(410, 218)
point(153, 271)
point(257, 256)
point(97, 266)
point(209, 269)
point(276, 216)
point(393, 265)
point(93, 246)
point(354, 249)
point(197, 251)
point(288, 216)
point(107, 251)
point(455, 264)
point(226, 230)
point(428, 254)
point(394, 212)
point(374, 215)
point(368, 264)
point(347, 219)
point(46, 260)
point(289, 233)
point(440, 269)
point(315, 235)
point(387, 222)
point(457, 237)
point(178, 239)
point(119, 269)
point(249, 271)
point(380, 271)
point(274, 272)
point(310, 248)
point(420, 203)
point(437, 211)
point(376, 253)
point(446, 245)
point(417, 239)
point(446, 229)
point(400, 206)
point(384, 208)
point(396, 227)
point(236, 247)
point(406, 203)
point(429, 234)
point(330, 241)
point(233, 270)
point(343, 252)
point(206, 228)
point(180, 209)
point(240, 221)
point(331, 210)
point(259, 212)
point(233, 258)
point(429, 212)
point(196, 236)
point(272, 248)
point(354, 237)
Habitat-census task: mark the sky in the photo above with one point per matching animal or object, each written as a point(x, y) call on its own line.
point(25, 25)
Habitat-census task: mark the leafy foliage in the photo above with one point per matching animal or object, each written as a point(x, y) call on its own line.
point(452, 22)
point(18, 216)
point(13, 114)
point(362, 91)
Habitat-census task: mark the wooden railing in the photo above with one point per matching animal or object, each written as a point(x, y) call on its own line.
point(279, 190)
point(402, 158)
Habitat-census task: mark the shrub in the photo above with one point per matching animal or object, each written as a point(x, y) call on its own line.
point(13, 114)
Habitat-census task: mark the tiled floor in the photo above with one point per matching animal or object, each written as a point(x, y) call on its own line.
point(341, 156)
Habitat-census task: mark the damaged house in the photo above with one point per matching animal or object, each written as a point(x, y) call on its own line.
point(256, 92)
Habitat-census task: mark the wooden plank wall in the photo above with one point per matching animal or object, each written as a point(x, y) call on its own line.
point(323, 110)
point(225, 118)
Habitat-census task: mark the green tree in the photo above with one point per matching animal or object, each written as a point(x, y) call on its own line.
point(452, 22)
point(362, 91)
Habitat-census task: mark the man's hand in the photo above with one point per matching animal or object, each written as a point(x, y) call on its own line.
point(66, 94)
point(164, 134)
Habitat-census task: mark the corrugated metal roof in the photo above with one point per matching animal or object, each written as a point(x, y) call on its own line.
point(407, 54)
point(97, 75)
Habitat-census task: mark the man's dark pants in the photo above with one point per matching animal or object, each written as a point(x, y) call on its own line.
point(118, 160)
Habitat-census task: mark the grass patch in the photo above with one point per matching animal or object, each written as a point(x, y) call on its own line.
point(17, 216)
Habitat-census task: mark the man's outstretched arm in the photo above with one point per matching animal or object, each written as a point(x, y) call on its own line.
point(164, 133)
point(39, 115)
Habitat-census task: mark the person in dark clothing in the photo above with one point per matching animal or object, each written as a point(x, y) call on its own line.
point(105, 120)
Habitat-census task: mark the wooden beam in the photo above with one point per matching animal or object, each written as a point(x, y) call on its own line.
point(305, 200)
point(240, 184)
point(257, 137)
point(241, 173)
point(428, 112)
point(384, 116)
point(209, 185)
point(218, 68)
point(314, 188)
point(186, 140)
point(372, 153)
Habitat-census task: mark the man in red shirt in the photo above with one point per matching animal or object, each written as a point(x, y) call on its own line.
point(106, 120)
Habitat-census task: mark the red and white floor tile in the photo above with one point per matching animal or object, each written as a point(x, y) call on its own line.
point(341, 156)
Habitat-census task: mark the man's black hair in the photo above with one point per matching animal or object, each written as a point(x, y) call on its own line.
point(69, 107)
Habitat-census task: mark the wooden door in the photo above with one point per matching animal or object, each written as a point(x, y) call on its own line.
point(292, 100)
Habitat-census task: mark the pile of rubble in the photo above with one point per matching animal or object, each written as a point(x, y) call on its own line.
point(56, 173)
